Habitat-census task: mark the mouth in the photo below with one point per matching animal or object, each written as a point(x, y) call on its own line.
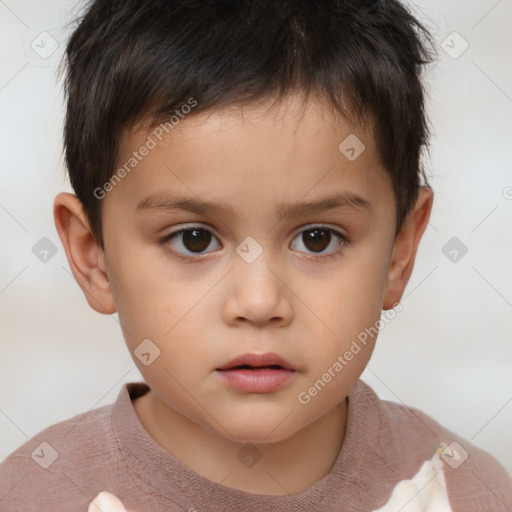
point(257, 361)
point(257, 373)
point(249, 367)
point(262, 379)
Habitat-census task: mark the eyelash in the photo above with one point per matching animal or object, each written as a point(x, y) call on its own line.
point(343, 239)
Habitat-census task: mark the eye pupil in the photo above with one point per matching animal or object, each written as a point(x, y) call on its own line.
point(315, 241)
point(196, 240)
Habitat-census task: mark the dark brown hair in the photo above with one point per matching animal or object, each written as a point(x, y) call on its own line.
point(128, 60)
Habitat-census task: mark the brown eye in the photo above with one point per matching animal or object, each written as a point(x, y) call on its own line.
point(196, 240)
point(189, 241)
point(315, 240)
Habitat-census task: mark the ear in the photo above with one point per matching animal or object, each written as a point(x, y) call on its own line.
point(86, 258)
point(406, 244)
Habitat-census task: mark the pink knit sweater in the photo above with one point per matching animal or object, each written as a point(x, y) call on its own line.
point(107, 449)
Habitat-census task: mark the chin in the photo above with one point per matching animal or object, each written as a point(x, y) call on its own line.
point(252, 434)
point(258, 429)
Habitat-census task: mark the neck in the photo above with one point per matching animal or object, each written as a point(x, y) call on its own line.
point(285, 467)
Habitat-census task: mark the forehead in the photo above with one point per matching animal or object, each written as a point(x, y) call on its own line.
point(293, 118)
point(283, 151)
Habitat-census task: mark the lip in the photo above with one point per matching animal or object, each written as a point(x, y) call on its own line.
point(258, 360)
point(263, 380)
point(269, 372)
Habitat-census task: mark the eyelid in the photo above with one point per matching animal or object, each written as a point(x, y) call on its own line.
point(166, 238)
point(324, 257)
point(319, 225)
point(191, 227)
point(307, 227)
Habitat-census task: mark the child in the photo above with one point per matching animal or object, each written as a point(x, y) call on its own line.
point(248, 199)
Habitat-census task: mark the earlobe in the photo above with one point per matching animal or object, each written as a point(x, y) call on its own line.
point(405, 247)
point(86, 258)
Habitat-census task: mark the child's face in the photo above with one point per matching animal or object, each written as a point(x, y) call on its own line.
point(303, 299)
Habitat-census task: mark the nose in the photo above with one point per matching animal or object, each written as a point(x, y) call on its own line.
point(257, 293)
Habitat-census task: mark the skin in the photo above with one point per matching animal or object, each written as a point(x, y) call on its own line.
point(292, 300)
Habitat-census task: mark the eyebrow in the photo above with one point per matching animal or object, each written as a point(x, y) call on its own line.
point(347, 200)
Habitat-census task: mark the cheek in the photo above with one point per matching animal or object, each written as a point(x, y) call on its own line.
point(157, 306)
point(148, 300)
point(350, 308)
point(353, 300)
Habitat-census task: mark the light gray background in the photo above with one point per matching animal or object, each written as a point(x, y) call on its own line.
point(449, 351)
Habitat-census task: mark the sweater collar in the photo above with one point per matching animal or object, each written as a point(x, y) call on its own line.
point(167, 476)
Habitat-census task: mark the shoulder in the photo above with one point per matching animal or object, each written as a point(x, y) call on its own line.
point(475, 480)
point(50, 462)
